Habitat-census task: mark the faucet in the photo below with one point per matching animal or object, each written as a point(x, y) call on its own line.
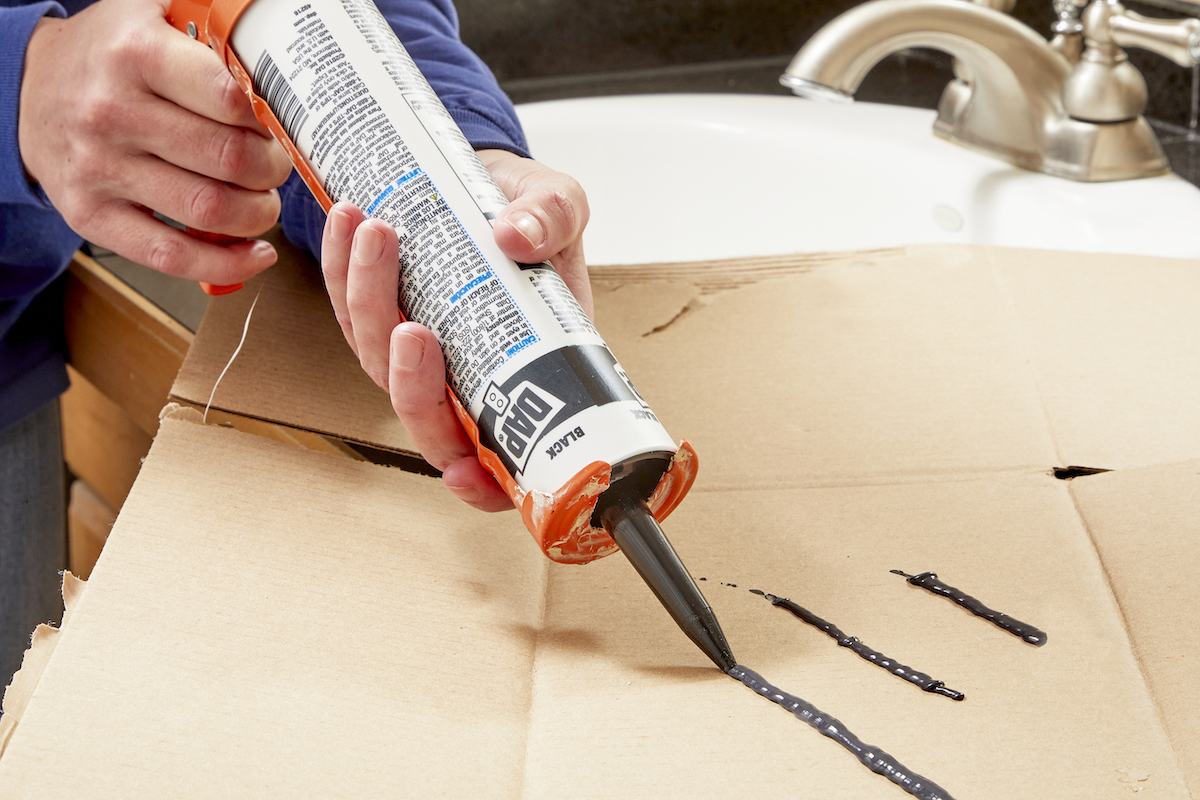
point(1070, 107)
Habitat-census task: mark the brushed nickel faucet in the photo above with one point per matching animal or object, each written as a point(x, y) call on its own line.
point(1070, 107)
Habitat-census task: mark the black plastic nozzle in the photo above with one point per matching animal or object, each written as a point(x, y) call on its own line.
point(635, 530)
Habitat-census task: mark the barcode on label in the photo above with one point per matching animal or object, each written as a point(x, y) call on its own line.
point(274, 88)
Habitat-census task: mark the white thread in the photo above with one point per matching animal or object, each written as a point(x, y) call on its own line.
point(238, 349)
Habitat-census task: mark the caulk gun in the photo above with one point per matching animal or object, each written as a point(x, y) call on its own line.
point(551, 412)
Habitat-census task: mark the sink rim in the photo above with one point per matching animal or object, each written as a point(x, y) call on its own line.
point(571, 131)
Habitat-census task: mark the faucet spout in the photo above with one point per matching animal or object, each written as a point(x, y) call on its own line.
point(1008, 89)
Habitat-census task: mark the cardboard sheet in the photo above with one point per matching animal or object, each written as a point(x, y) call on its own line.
point(271, 622)
point(933, 359)
point(1071, 719)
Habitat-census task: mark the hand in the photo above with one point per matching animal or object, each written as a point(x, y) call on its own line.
point(122, 115)
point(360, 259)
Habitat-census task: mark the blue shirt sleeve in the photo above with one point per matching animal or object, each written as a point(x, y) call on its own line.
point(16, 27)
point(35, 244)
point(429, 31)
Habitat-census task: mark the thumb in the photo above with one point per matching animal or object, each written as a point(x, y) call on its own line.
point(547, 215)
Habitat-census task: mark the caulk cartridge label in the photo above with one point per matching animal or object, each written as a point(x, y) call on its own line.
point(562, 411)
point(521, 355)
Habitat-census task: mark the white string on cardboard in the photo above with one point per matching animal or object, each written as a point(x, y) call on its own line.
point(237, 350)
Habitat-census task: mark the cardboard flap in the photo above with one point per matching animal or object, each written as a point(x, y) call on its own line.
point(294, 367)
point(870, 366)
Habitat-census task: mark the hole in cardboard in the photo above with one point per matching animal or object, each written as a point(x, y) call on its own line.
point(1069, 473)
point(390, 458)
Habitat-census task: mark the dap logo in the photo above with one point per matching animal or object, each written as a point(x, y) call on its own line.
point(522, 416)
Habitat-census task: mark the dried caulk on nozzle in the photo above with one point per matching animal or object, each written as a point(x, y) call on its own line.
point(554, 417)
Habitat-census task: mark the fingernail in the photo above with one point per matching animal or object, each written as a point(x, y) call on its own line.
point(407, 351)
point(528, 226)
point(339, 226)
point(368, 245)
point(468, 494)
point(264, 254)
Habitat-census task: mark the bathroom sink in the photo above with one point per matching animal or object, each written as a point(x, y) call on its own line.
point(696, 177)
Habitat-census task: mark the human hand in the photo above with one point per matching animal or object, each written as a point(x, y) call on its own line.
point(360, 259)
point(122, 115)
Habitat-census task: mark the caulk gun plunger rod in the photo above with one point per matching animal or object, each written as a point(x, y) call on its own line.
point(636, 532)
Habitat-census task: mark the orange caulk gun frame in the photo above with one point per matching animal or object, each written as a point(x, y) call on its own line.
point(563, 522)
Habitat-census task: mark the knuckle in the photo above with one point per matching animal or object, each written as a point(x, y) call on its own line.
point(209, 205)
point(360, 305)
point(98, 112)
point(572, 213)
point(580, 202)
point(408, 409)
point(228, 95)
point(79, 212)
point(231, 152)
point(334, 270)
point(166, 254)
point(366, 308)
point(131, 48)
point(90, 167)
point(346, 323)
point(281, 164)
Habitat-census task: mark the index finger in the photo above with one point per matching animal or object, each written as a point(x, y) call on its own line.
point(189, 74)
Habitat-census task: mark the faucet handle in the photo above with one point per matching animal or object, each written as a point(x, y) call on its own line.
point(1103, 86)
point(1176, 39)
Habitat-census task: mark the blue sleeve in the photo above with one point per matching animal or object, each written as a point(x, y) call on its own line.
point(35, 244)
point(429, 31)
point(16, 26)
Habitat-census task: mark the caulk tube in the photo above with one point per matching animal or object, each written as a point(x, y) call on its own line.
point(553, 414)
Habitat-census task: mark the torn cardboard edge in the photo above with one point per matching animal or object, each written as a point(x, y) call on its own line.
point(718, 275)
point(293, 332)
point(26, 679)
point(303, 437)
point(20, 689)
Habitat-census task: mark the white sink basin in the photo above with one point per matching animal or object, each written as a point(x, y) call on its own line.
point(695, 177)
